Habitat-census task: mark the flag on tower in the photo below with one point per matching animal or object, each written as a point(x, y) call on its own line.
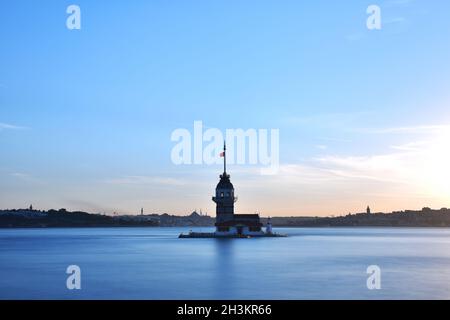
point(222, 154)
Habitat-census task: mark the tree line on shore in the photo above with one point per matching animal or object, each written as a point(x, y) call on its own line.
point(22, 218)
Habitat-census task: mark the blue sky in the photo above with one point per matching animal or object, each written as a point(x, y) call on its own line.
point(86, 115)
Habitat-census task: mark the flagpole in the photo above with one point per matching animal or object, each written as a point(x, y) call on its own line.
point(224, 158)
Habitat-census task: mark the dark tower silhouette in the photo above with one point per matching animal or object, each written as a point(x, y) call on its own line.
point(368, 210)
point(227, 223)
point(224, 197)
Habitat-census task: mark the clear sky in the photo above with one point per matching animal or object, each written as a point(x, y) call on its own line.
point(86, 115)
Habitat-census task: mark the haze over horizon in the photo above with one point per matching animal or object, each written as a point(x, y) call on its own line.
point(86, 115)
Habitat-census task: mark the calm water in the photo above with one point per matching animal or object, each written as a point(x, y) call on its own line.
point(152, 263)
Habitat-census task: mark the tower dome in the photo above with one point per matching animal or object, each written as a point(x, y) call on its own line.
point(224, 182)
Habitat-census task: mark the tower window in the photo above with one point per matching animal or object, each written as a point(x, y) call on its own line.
point(221, 194)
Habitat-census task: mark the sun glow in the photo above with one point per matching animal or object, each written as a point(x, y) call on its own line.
point(435, 169)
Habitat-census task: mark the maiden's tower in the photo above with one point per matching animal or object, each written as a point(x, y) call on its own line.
point(229, 224)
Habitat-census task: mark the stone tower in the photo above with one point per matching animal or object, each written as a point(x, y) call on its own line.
point(224, 197)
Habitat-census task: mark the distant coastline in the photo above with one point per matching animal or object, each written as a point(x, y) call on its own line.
point(29, 218)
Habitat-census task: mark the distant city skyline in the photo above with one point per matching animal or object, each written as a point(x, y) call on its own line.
point(86, 116)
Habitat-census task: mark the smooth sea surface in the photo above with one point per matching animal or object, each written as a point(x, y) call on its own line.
point(152, 263)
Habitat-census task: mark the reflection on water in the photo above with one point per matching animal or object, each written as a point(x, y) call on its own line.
point(152, 263)
point(223, 269)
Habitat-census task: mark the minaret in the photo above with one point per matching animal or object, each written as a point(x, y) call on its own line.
point(224, 197)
